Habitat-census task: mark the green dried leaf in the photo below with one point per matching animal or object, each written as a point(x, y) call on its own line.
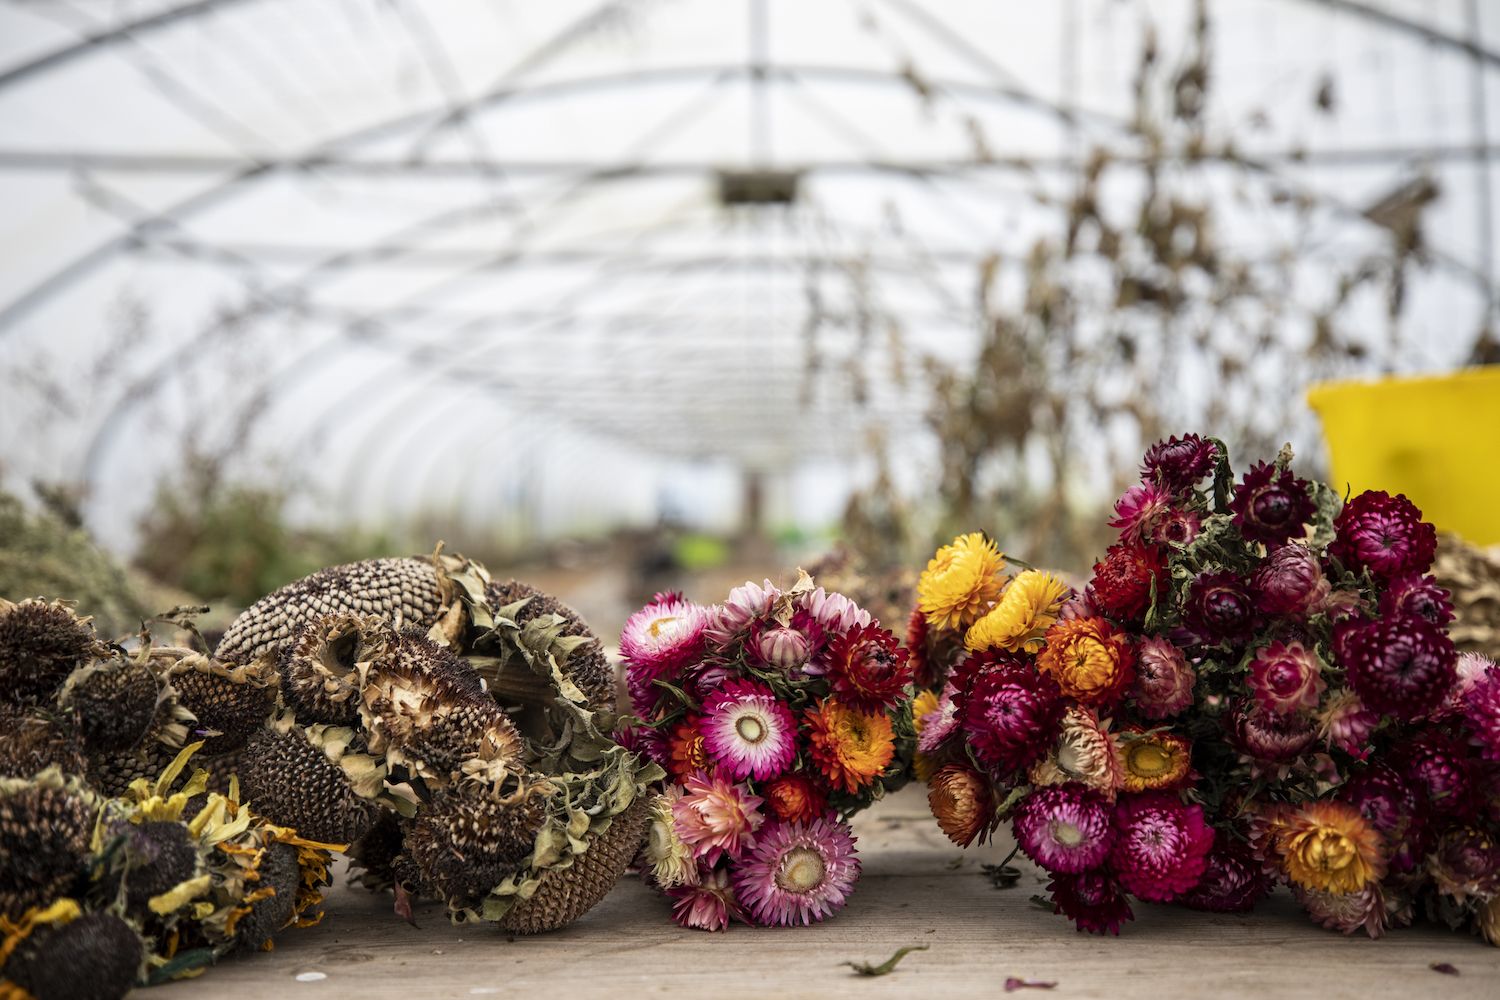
point(888, 966)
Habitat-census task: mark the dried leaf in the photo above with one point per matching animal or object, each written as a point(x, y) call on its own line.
point(1012, 984)
point(886, 967)
point(1446, 968)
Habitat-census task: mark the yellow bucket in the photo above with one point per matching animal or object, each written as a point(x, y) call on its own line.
point(1435, 438)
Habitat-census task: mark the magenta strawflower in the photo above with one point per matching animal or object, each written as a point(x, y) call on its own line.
point(1481, 707)
point(1094, 901)
point(1064, 828)
point(1416, 596)
point(1287, 677)
point(1219, 609)
point(798, 873)
point(1179, 463)
point(1140, 511)
point(1161, 845)
point(1383, 534)
point(1011, 714)
point(1290, 582)
point(1439, 770)
point(1344, 723)
point(939, 725)
point(1233, 879)
point(748, 732)
point(1271, 506)
point(707, 906)
point(716, 817)
point(1391, 805)
point(658, 642)
point(1398, 666)
point(1163, 679)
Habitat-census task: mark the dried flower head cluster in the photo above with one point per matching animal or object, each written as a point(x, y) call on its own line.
point(1256, 686)
point(777, 714)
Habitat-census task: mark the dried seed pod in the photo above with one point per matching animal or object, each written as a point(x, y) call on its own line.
point(320, 671)
point(429, 714)
point(45, 825)
point(565, 894)
point(585, 666)
point(292, 782)
point(41, 643)
point(94, 957)
point(31, 741)
point(230, 701)
point(475, 834)
point(280, 872)
point(115, 699)
point(403, 591)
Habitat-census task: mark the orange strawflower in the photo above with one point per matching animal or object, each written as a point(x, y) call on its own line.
point(1090, 661)
point(851, 748)
point(961, 800)
point(1330, 847)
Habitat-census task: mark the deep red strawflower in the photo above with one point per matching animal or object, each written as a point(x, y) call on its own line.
point(1481, 707)
point(868, 668)
point(1464, 863)
point(1121, 587)
point(1440, 772)
point(1383, 534)
point(1011, 715)
point(1416, 596)
point(1287, 677)
point(1179, 463)
point(1391, 804)
point(1271, 507)
point(1233, 880)
point(923, 666)
point(1398, 666)
point(1161, 845)
point(1266, 736)
point(1219, 609)
point(1094, 901)
point(1290, 582)
point(1178, 527)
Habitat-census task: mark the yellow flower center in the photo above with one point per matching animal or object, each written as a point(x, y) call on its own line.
point(750, 729)
point(1148, 759)
point(801, 870)
point(1066, 833)
point(1328, 851)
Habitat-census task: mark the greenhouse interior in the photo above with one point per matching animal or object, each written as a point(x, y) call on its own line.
point(504, 495)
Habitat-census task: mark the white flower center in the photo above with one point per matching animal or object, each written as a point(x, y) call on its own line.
point(750, 729)
point(801, 870)
point(665, 628)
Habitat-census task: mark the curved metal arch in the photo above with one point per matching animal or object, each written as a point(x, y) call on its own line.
point(254, 173)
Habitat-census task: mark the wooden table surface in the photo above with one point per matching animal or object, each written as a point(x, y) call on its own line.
point(918, 889)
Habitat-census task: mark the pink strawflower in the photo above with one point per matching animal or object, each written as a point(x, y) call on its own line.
point(939, 725)
point(1064, 828)
point(659, 642)
point(1178, 527)
point(1399, 666)
point(748, 732)
point(788, 647)
point(1373, 909)
point(1271, 506)
point(1416, 596)
point(731, 620)
point(1161, 845)
point(1383, 534)
point(1482, 713)
point(1287, 677)
point(1163, 680)
point(1290, 582)
point(1266, 737)
point(1467, 669)
point(1140, 510)
point(707, 906)
point(1094, 901)
point(716, 817)
point(1346, 724)
point(834, 612)
point(1233, 880)
point(798, 873)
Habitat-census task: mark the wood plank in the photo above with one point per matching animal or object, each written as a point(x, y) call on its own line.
point(918, 889)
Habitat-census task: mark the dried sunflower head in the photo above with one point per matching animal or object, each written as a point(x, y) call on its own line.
point(271, 911)
point(229, 701)
point(45, 823)
point(61, 953)
point(475, 834)
point(115, 698)
point(404, 592)
point(155, 857)
point(320, 669)
point(41, 642)
point(31, 740)
point(585, 664)
point(297, 780)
